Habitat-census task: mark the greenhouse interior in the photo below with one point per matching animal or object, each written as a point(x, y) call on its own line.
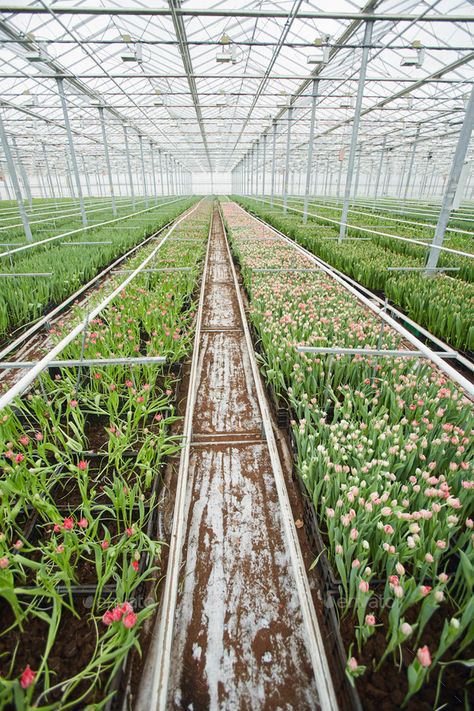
point(236, 439)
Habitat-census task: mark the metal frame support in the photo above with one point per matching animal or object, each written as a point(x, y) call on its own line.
point(162, 182)
point(48, 171)
point(153, 172)
point(309, 159)
point(287, 161)
point(23, 173)
point(252, 170)
point(264, 164)
point(257, 159)
point(167, 168)
point(129, 166)
point(62, 97)
point(452, 184)
point(355, 126)
point(86, 176)
point(142, 158)
point(172, 175)
point(379, 171)
point(107, 160)
point(14, 181)
point(272, 194)
point(412, 161)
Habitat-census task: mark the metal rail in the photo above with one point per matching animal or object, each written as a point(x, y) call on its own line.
point(27, 379)
point(88, 362)
point(381, 312)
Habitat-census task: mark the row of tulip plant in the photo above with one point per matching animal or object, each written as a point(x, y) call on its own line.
point(82, 466)
point(26, 298)
point(384, 448)
point(398, 226)
point(442, 304)
point(51, 217)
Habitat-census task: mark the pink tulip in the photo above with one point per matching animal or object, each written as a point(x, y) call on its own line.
point(82, 465)
point(370, 620)
point(364, 586)
point(424, 656)
point(352, 664)
point(129, 620)
point(27, 678)
point(4, 563)
point(107, 618)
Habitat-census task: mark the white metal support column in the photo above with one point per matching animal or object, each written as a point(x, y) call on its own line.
point(309, 159)
point(86, 176)
point(72, 151)
point(264, 164)
point(48, 171)
point(23, 173)
point(153, 174)
point(162, 182)
point(287, 160)
point(167, 169)
point(129, 166)
point(355, 126)
point(453, 180)
point(142, 159)
point(14, 181)
point(257, 160)
point(272, 194)
point(107, 160)
point(412, 161)
point(252, 170)
point(379, 171)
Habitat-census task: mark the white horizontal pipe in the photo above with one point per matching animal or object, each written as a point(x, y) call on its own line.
point(422, 269)
point(374, 352)
point(26, 274)
point(74, 244)
point(86, 362)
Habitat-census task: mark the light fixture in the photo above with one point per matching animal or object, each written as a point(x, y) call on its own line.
point(37, 55)
point(320, 57)
point(31, 100)
point(285, 101)
point(347, 102)
point(416, 56)
point(227, 54)
point(134, 55)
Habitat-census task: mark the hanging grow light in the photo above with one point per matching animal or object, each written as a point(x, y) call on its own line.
point(285, 103)
point(37, 55)
point(416, 57)
point(134, 55)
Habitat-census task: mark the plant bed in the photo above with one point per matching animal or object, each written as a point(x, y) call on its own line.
point(91, 544)
point(383, 449)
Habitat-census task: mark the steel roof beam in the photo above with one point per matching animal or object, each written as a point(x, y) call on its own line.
point(23, 7)
point(175, 6)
